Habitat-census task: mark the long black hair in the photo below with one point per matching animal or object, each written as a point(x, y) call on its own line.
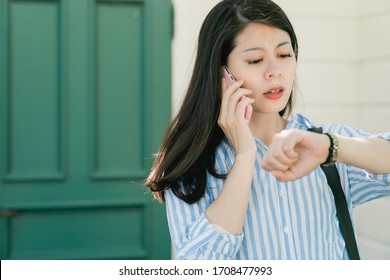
point(188, 148)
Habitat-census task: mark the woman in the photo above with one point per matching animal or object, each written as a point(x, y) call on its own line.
point(240, 178)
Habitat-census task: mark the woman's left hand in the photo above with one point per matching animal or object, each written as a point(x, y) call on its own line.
point(294, 153)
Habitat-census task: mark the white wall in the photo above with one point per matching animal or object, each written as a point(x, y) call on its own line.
point(344, 66)
point(189, 15)
point(374, 73)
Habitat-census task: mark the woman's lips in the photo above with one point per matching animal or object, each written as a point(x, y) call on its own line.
point(274, 93)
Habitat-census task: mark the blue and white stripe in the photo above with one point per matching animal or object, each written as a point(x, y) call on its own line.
point(293, 220)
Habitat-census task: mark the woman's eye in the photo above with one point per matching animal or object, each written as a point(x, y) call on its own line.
point(285, 55)
point(255, 61)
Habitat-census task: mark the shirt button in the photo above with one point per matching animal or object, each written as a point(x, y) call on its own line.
point(281, 192)
point(286, 230)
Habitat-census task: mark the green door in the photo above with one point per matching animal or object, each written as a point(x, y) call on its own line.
point(84, 100)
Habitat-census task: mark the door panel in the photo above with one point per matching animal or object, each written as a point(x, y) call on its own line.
point(118, 98)
point(84, 233)
point(84, 103)
point(34, 93)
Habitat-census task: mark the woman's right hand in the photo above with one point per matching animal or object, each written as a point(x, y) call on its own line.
point(229, 209)
point(234, 117)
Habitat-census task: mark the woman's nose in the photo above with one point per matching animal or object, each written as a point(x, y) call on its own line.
point(273, 70)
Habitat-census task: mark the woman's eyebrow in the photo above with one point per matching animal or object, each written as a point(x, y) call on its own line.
point(261, 48)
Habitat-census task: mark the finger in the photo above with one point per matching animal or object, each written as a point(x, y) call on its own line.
point(227, 91)
point(276, 157)
point(235, 99)
point(236, 116)
point(284, 176)
point(283, 146)
point(285, 154)
point(273, 164)
point(239, 93)
point(290, 143)
point(243, 105)
point(248, 113)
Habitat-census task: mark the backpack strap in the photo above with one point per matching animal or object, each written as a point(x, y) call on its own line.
point(333, 178)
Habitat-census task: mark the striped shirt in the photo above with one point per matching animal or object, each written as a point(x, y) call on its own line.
point(293, 220)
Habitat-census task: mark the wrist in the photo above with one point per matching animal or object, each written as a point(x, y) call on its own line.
point(245, 159)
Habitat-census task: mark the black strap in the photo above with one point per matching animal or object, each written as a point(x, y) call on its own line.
point(333, 178)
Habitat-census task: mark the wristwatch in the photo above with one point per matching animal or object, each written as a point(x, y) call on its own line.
point(334, 149)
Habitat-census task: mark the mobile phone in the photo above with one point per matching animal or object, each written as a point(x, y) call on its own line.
point(230, 79)
point(227, 75)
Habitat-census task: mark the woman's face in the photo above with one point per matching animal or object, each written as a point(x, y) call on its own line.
point(264, 58)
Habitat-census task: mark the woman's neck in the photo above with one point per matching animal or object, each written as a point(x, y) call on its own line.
point(265, 126)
